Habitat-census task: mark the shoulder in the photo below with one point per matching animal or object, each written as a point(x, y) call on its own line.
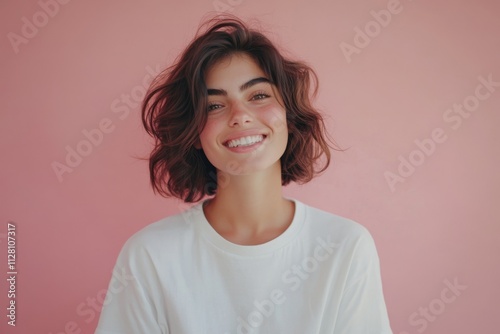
point(350, 238)
point(165, 236)
point(328, 222)
point(350, 242)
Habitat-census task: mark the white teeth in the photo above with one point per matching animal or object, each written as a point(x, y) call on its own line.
point(245, 141)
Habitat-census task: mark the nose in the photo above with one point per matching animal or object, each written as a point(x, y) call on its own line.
point(239, 115)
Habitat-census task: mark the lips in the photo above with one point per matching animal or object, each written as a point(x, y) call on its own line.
point(245, 141)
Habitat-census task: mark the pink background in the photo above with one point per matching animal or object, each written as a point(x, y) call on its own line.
point(440, 224)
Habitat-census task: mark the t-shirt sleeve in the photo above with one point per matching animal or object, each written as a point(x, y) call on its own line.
point(128, 307)
point(363, 309)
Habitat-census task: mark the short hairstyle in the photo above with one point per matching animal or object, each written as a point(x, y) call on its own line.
point(174, 111)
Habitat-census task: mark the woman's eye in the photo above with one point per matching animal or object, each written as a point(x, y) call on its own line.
point(260, 96)
point(213, 106)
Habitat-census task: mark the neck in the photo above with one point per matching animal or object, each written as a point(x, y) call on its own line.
point(249, 209)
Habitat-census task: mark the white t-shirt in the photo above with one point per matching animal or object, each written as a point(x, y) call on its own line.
point(179, 276)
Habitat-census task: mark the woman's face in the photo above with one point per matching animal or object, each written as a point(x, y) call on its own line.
point(246, 128)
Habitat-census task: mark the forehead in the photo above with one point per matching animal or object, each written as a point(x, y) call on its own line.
point(233, 70)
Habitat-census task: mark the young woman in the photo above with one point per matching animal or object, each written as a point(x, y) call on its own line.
point(233, 123)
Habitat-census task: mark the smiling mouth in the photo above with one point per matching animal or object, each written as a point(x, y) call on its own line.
point(245, 141)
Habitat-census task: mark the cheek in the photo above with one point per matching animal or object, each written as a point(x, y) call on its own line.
point(207, 135)
point(276, 117)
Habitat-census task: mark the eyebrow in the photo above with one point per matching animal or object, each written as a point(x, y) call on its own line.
point(246, 85)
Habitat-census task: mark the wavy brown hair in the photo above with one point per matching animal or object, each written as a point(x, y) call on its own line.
point(174, 111)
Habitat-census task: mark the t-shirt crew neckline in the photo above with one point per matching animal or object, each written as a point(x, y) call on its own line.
point(213, 237)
